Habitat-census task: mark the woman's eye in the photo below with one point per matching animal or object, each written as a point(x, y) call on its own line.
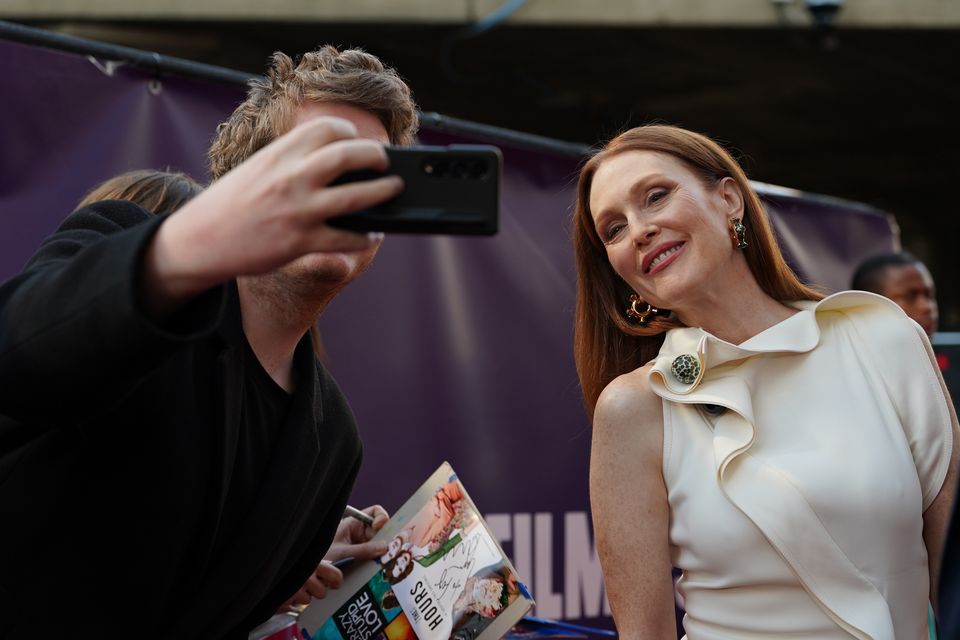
point(612, 231)
point(656, 196)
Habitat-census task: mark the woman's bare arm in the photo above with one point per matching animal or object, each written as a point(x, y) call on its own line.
point(630, 510)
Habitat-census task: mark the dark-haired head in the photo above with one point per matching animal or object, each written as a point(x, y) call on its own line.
point(399, 567)
point(870, 275)
point(905, 280)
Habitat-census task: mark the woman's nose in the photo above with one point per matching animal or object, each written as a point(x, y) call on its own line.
point(645, 233)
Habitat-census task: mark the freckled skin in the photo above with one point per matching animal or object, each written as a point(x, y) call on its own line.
point(646, 205)
point(639, 201)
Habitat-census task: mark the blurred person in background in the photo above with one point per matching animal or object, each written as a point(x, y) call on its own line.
point(905, 280)
point(157, 192)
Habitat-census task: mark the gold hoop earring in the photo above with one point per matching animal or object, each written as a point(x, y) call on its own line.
point(636, 314)
point(740, 232)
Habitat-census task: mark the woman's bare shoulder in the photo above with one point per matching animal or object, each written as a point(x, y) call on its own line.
point(628, 411)
point(628, 396)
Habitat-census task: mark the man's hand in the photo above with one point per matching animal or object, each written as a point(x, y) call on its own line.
point(353, 537)
point(268, 211)
point(325, 577)
point(351, 541)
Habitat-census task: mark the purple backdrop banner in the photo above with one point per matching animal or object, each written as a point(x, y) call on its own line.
point(453, 349)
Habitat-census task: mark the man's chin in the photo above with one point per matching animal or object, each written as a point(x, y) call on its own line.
point(329, 268)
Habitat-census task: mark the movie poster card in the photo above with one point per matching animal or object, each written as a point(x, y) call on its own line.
point(443, 576)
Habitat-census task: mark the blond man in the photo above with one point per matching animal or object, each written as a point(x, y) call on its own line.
point(173, 457)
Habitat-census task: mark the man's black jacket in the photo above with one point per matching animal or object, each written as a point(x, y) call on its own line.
point(117, 453)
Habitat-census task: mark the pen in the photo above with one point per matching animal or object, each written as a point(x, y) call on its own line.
point(359, 515)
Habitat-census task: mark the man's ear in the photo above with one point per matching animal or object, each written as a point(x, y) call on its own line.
point(729, 191)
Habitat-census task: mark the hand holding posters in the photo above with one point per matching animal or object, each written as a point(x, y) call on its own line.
point(443, 576)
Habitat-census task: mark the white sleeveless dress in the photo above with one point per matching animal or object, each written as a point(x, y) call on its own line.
point(796, 502)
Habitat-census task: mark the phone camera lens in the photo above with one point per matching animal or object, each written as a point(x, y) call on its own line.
point(478, 170)
point(460, 170)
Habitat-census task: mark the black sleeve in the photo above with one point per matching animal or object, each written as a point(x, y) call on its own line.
point(296, 569)
point(70, 322)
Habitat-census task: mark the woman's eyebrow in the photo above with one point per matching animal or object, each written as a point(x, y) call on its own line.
point(636, 188)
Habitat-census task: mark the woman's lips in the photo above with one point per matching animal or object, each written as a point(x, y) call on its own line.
point(661, 256)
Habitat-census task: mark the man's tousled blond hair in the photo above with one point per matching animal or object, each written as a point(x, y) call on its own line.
point(353, 77)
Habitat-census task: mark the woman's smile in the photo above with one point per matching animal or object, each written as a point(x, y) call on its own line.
point(661, 256)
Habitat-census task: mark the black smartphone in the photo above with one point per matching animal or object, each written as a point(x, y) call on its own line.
point(451, 189)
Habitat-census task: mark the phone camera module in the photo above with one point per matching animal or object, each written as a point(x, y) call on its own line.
point(478, 170)
point(460, 169)
point(436, 167)
point(457, 168)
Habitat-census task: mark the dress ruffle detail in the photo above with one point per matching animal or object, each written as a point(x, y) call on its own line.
point(761, 491)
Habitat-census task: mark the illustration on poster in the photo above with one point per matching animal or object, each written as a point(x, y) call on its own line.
point(529, 540)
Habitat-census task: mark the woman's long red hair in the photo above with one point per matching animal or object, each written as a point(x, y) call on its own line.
point(606, 344)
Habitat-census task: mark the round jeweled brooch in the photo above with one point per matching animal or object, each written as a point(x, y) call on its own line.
point(685, 368)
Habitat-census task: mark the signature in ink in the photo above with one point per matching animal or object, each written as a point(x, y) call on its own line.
point(467, 547)
point(452, 578)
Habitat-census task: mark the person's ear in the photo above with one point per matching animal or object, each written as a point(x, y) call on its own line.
point(732, 197)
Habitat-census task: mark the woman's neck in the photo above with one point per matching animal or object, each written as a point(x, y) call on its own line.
point(735, 312)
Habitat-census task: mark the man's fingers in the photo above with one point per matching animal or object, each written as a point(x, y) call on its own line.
point(333, 160)
point(300, 597)
point(315, 587)
point(355, 196)
point(380, 516)
point(331, 240)
point(329, 575)
point(369, 550)
point(376, 511)
point(314, 134)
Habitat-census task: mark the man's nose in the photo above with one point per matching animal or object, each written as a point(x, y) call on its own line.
point(928, 303)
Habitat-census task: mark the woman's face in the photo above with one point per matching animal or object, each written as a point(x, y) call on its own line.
point(393, 547)
point(401, 565)
point(664, 230)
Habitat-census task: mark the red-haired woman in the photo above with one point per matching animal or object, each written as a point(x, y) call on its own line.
point(792, 454)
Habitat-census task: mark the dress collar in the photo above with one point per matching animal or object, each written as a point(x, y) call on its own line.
point(799, 333)
point(759, 489)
